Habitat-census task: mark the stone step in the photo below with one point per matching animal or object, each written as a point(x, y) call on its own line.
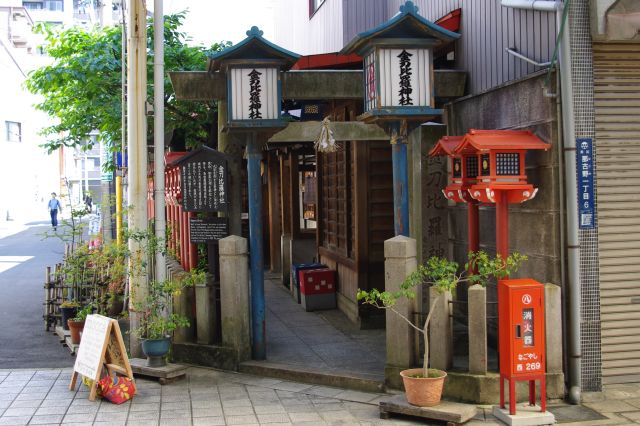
point(354, 381)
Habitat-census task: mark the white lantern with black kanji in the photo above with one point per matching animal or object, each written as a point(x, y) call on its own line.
point(254, 93)
point(253, 68)
point(398, 78)
point(398, 66)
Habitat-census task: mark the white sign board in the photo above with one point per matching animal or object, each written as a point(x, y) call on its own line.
point(101, 346)
point(89, 358)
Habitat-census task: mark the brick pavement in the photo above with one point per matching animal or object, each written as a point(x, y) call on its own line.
point(212, 397)
point(206, 397)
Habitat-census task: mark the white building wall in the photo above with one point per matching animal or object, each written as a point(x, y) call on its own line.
point(27, 173)
point(296, 31)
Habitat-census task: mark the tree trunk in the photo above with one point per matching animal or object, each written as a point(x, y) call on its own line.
point(425, 332)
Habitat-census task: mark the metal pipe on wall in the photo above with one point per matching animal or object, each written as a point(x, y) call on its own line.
point(571, 197)
point(541, 5)
point(158, 130)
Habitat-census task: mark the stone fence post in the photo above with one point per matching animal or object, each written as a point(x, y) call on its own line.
point(182, 304)
point(441, 331)
point(234, 296)
point(477, 299)
point(400, 261)
point(553, 330)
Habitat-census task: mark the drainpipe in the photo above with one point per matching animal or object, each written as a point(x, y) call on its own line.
point(540, 5)
point(571, 191)
point(158, 154)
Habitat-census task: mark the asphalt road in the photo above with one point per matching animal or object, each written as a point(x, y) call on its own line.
point(24, 343)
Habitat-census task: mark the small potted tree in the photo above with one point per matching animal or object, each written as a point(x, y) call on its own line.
point(157, 321)
point(424, 385)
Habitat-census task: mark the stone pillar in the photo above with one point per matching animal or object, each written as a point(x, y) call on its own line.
point(205, 313)
point(234, 296)
point(441, 331)
point(400, 261)
point(182, 304)
point(477, 299)
point(234, 151)
point(553, 330)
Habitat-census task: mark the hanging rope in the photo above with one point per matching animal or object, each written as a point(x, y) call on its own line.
point(325, 141)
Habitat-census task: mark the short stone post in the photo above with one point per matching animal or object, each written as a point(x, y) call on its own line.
point(182, 304)
point(234, 296)
point(441, 331)
point(205, 313)
point(400, 261)
point(553, 330)
point(477, 299)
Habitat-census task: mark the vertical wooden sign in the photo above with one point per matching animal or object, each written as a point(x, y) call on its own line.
point(101, 347)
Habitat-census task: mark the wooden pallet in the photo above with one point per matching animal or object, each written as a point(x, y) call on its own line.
point(453, 413)
point(65, 338)
point(165, 375)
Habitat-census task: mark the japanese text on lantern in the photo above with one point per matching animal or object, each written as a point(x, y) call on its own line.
point(255, 89)
point(405, 78)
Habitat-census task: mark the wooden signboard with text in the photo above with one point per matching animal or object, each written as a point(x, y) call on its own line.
point(203, 181)
point(101, 347)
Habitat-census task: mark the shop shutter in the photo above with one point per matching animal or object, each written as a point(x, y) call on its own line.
point(617, 120)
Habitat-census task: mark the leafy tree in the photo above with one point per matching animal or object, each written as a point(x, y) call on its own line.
point(82, 88)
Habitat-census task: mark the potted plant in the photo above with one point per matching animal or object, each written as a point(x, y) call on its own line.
point(68, 309)
point(76, 324)
point(157, 322)
point(423, 386)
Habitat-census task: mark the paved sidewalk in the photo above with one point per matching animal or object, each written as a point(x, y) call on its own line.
point(212, 397)
point(206, 397)
point(324, 340)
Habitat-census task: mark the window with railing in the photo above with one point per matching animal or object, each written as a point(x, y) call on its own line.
point(14, 131)
point(54, 5)
point(32, 5)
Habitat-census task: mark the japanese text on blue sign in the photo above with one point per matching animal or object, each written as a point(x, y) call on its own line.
point(586, 206)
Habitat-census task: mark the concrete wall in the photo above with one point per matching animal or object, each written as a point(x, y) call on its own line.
point(534, 226)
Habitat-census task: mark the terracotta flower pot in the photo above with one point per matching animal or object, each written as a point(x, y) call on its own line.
point(423, 391)
point(75, 327)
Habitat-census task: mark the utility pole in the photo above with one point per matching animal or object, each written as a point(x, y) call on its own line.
point(137, 149)
point(158, 120)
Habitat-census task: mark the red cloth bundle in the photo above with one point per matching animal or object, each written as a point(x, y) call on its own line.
point(117, 389)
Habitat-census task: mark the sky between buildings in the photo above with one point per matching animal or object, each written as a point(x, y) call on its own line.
point(211, 21)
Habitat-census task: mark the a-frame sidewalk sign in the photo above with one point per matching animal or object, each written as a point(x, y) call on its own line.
point(101, 346)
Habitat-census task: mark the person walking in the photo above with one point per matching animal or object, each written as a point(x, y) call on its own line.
point(54, 206)
point(88, 202)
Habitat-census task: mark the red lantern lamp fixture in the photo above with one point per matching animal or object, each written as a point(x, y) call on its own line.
point(496, 160)
point(459, 183)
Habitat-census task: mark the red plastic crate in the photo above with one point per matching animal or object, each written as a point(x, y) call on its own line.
point(317, 281)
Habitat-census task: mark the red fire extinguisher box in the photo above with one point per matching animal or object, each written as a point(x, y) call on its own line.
point(522, 337)
point(318, 289)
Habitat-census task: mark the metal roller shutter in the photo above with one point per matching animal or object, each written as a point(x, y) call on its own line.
point(617, 119)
